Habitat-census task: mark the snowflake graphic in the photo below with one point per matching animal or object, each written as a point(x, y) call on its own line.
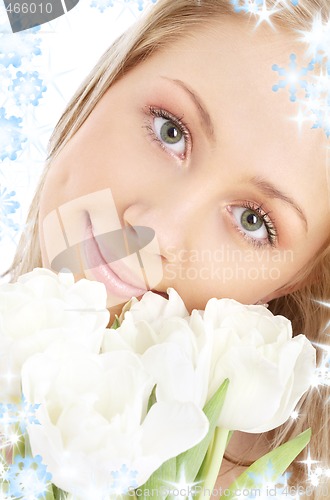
point(7, 206)
point(17, 46)
point(28, 478)
point(323, 120)
point(317, 38)
point(11, 138)
point(7, 224)
point(253, 6)
point(4, 476)
point(322, 371)
point(293, 77)
point(102, 5)
point(317, 103)
point(27, 88)
point(140, 3)
point(268, 482)
point(4, 495)
point(23, 413)
point(124, 480)
point(5, 415)
point(250, 6)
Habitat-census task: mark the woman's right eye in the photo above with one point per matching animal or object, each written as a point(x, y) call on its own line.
point(170, 134)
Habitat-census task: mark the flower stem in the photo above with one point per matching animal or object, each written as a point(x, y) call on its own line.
point(213, 459)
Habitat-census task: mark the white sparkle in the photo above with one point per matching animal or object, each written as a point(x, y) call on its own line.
point(294, 415)
point(300, 118)
point(317, 38)
point(14, 438)
point(265, 14)
point(309, 462)
point(314, 479)
point(182, 488)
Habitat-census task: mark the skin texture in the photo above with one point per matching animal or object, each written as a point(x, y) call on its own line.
point(193, 195)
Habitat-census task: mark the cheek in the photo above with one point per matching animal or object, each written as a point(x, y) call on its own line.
point(239, 278)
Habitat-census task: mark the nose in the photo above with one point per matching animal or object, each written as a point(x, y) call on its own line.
point(173, 219)
point(177, 213)
point(165, 224)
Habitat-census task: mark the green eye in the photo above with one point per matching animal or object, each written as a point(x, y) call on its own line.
point(251, 221)
point(255, 224)
point(170, 133)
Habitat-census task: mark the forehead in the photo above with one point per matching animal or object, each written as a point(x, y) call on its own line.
point(228, 63)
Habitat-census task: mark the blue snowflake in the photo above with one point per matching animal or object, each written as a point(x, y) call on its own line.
point(7, 206)
point(27, 88)
point(4, 495)
point(252, 6)
point(6, 417)
point(9, 224)
point(140, 3)
point(17, 46)
point(28, 478)
point(318, 102)
point(102, 5)
point(11, 138)
point(4, 473)
point(322, 120)
point(23, 413)
point(292, 77)
point(123, 480)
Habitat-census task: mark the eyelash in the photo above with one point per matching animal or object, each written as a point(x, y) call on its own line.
point(269, 224)
point(178, 122)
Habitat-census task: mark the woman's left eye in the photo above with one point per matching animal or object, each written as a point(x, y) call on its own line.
point(254, 224)
point(170, 132)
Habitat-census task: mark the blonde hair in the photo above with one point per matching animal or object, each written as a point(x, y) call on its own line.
point(166, 22)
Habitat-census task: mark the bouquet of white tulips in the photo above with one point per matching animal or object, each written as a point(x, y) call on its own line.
point(91, 413)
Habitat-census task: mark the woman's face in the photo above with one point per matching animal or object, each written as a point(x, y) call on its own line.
point(193, 144)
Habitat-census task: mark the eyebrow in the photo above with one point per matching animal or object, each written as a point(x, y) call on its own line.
point(203, 113)
point(271, 191)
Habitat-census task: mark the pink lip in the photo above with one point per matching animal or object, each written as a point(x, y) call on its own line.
point(104, 272)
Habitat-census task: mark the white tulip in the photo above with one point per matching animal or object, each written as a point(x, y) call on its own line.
point(190, 356)
point(142, 323)
point(42, 307)
point(94, 421)
point(269, 370)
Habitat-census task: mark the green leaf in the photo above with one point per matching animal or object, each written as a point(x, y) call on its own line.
point(280, 459)
point(159, 483)
point(115, 324)
point(189, 462)
point(152, 399)
point(49, 493)
point(59, 494)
